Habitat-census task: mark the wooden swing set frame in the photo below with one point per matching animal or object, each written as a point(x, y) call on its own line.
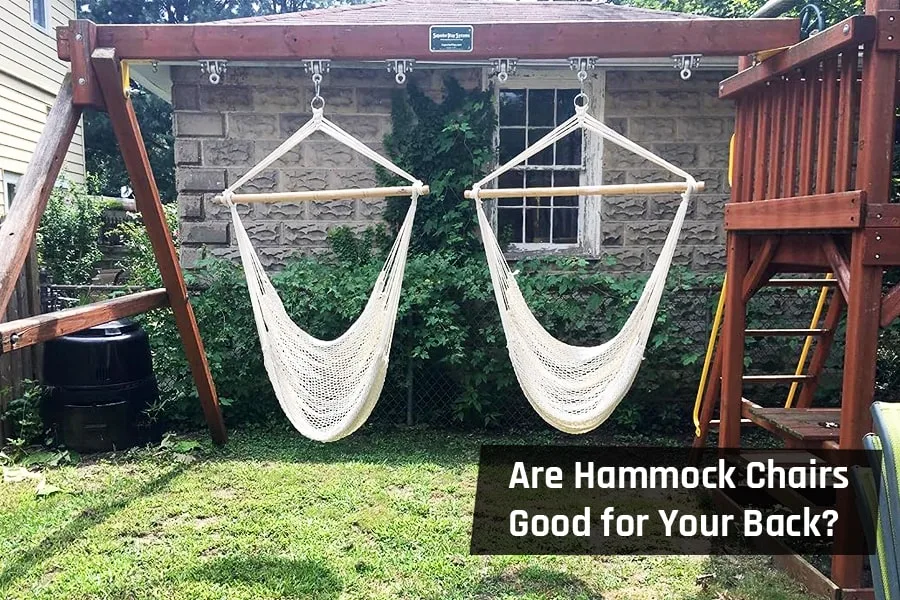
point(811, 189)
point(97, 55)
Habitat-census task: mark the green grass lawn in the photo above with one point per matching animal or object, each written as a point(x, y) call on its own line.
point(271, 515)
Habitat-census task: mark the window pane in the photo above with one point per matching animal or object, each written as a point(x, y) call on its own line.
point(509, 225)
point(512, 179)
point(561, 178)
point(512, 107)
point(38, 12)
point(538, 179)
point(565, 201)
point(512, 142)
point(568, 150)
point(565, 104)
point(544, 157)
point(537, 225)
point(565, 225)
point(540, 108)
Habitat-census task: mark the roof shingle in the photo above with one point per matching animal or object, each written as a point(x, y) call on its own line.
point(468, 12)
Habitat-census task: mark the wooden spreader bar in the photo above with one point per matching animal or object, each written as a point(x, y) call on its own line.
point(325, 195)
point(29, 331)
point(587, 190)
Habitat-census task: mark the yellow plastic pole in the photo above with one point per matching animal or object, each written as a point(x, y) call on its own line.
point(807, 344)
point(710, 347)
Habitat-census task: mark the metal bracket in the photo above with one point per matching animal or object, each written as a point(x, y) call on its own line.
point(401, 67)
point(215, 68)
point(686, 64)
point(318, 68)
point(581, 65)
point(504, 67)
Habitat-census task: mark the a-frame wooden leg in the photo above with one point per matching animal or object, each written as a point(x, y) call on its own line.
point(17, 231)
point(146, 194)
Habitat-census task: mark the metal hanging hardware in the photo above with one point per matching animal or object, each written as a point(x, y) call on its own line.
point(401, 67)
point(503, 68)
point(686, 64)
point(581, 65)
point(317, 69)
point(215, 68)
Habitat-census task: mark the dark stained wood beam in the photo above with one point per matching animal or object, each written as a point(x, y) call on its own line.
point(17, 231)
point(759, 271)
point(128, 133)
point(852, 31)
point(839, 265)
point(842, 210)
point(890, 306)
point(556, 40)
point(29, 331)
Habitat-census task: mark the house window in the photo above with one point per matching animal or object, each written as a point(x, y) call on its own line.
point(40, 14)
point(526, 115)
point(10, 184)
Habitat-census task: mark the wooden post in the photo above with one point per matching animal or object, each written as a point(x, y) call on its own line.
point(128, 134)
point(17, 231)
point(732, 341)
point(876, 141)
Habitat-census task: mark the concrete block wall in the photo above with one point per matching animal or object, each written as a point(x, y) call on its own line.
point(223, 130)
point(685, 123)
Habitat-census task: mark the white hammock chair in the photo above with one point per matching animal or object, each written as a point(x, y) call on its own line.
point(327, 389)
point(574, 388)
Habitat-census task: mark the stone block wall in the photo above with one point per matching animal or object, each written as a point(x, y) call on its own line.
point(223, 130)
point(685, 123)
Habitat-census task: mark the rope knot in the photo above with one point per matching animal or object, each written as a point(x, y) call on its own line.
point(476, 192)
point(228, 198)
point(418, 188)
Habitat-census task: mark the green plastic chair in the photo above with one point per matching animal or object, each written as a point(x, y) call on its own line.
point(878, 491)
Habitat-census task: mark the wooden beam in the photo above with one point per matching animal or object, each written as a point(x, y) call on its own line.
point(881, 246)
point(822, 350)
point(874, 159)
point(22, 333)
point(128, 133)
point(882, 215)
point(890, 306)
point(842, 210)
point(759, 269)
point(17, 231)
point(732, 340)
point(83, 40)
point(888, 37)
point(551, 40)
point(852, 31)
point(839, 266)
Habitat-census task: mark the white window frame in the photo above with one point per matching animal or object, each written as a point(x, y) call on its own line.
point(48, 15)
point(588, 241)
point(7, 178)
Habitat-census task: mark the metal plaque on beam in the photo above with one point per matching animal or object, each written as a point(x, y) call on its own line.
point(451, 38)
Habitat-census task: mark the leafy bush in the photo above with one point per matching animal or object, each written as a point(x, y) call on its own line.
point(23, 414)
point(69, 233)
point(139, 262)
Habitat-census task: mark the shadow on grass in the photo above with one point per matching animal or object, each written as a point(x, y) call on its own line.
point(535, 581)
point(279, 577)
point(88, 517)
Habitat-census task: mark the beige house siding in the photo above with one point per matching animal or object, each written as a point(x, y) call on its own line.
point(30, 76)
point(223, 130)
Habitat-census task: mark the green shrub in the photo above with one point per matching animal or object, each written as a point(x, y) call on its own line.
point(69, 234)
point(23, 414)
point(139, 262)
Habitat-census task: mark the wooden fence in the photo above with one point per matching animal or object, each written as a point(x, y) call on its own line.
point(19, 365)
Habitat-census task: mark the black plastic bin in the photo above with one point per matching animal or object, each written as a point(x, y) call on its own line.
point(101, 382)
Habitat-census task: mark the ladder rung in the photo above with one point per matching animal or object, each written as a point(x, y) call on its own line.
point(784, 332)
point(714, 422)
point(801, 282)
point(777, 378)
